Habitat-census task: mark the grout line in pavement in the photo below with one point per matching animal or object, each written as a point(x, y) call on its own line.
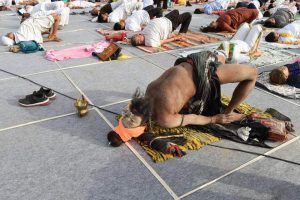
point(153, 172)
point(240, 167)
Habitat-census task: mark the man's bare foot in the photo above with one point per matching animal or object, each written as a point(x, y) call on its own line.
point(257, 54)
point(55, 39)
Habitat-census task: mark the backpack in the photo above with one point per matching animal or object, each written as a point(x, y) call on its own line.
point(30, 46)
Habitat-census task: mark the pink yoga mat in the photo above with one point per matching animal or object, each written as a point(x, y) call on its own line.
point(76, 52)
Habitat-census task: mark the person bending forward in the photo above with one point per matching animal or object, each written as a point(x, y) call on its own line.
point(189, 93)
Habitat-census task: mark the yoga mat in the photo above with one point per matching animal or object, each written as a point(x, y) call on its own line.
point(193, 39)
point(270, 55)
point(281, 90)
point(195, 138)
point(109, 31)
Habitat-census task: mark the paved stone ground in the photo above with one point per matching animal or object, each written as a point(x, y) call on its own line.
point(50, 153)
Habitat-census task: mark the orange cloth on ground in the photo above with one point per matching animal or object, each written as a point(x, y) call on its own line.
point(127, 133)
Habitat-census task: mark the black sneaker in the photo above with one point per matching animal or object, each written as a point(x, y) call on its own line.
point(34, 99)
point(48, 92)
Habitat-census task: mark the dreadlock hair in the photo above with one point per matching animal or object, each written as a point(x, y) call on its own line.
point(114, 139)
point(277, 76)
point(271, 37)
point(140, 106)
point(269, 24)
point(117, 26)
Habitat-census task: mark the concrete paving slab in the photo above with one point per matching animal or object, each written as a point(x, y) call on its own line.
point(163, 60)
point(69, 158)
point(23, 64)
point(14, 89)
point(114, 81)
point(265, 179)
point(83, 36)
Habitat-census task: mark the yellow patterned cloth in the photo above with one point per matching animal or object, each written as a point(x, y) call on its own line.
point(195, 138)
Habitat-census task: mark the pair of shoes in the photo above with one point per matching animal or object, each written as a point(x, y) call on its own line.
point(38, 98)
point(14, 48)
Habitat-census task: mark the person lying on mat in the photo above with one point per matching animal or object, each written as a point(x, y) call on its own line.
point(272, 8)
point(5, 5)
point(33, 29)
point(159, 30)
point(287, 74)
point(138, 20)
point(106, 9)
point(280, 18)
point(290, 34)
point(254, 4)
point(213, 7)
point(190, 94)
point(231, 20)
point(80, 4)
point(243, 45)
point(121, 12)
point(44, 9)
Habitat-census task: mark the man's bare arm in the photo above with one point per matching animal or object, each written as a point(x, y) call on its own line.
point(176, 120)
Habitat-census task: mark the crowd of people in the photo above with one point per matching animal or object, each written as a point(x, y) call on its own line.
point(197, 102)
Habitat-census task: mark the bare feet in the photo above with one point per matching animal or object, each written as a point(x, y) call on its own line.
point(55, 39)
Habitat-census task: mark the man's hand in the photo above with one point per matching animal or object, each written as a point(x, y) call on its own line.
point(180, 38)
point(227, 118)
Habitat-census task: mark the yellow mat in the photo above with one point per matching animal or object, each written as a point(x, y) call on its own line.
point(195, 138)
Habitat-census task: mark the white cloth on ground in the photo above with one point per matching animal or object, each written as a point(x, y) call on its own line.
point(158, 29)
point(7, 41)
point(137, 20)
point(32, 29)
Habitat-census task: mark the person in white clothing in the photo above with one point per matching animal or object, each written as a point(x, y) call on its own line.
point(243, 45)
point(5, 4)
point(33, 29)
point(45, 9)
point(159, 30)
point(138, 20)
point(123, 11)
point(78, 4)
point(290, 34)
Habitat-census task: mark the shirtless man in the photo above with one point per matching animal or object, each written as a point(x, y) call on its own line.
point(33, 29)
point(189, 93)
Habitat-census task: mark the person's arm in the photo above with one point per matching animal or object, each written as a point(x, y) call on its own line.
point(227, 27)
point(171, 121)
point(171, 39)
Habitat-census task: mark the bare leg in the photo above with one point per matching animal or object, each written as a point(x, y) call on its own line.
point(245, 75)
point(52, 36)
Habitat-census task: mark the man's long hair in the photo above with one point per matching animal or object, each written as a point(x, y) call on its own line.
point(141, 106)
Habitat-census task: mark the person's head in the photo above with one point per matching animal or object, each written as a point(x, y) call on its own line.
point(252, 5)
point(267, 14)
point(8, 39)
point(102, 18)
point(137, 112)
point(94, 12)
point(270, 23)
point(119, 26)
point(138, 40)
point(114, 139)
point(272, 37)
point(279, 75)
point(212, 27)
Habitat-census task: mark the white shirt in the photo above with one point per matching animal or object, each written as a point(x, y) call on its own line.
point(123, 11)
point(147, 3)
point(293, 28)
point(136, 20)
point(158, 29)
point(32, 29)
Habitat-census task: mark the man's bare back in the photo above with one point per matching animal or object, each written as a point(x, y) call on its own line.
point(166, 96)
point(171, 91)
